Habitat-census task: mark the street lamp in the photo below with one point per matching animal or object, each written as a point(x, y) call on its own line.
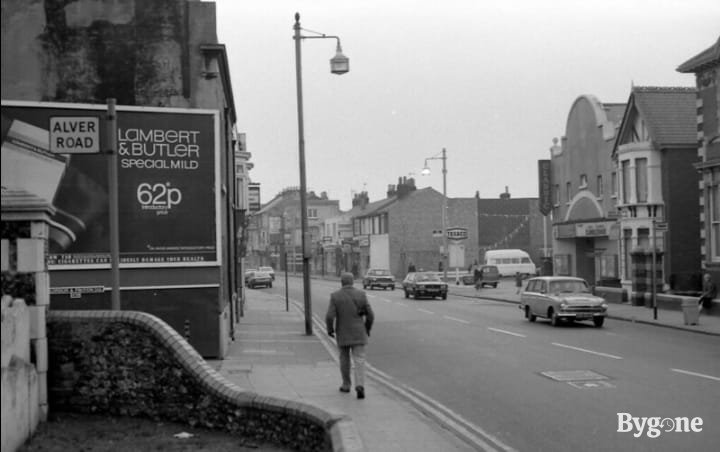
point(426, 172)
point(339, 65)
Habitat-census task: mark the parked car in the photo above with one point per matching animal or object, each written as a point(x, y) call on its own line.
point(258, 278)
point(562, 298)
point(248, 273)
point(424, 284)
point(379, 277)
point(268, 270)
point(490, 276)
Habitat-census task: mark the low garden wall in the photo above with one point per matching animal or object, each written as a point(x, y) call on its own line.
point(130, 363)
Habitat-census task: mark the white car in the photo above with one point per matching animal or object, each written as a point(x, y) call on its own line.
point(562, 298)
point(268, 270)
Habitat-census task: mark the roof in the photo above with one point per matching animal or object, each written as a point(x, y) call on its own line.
point(669, 112)
point(707, 58)
point(17, 200)
point(371, 208)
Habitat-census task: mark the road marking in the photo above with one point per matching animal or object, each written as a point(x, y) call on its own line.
point(455, 319)
point(587, 351)
point(695, 374)
point(507, 332)
point(425, 311)
point(400, 303)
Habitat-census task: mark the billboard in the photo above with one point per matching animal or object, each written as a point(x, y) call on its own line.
point(545, 187)
point(168, 184)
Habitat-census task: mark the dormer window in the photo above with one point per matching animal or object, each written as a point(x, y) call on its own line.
point(583, 181)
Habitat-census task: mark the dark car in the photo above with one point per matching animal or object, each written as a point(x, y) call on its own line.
point(378, 277)
point(424, 284)
point(562, 298)
point(490, 276)
point(257, 278)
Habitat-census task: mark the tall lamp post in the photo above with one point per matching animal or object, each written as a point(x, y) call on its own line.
point(339, 65)
point(425, 172)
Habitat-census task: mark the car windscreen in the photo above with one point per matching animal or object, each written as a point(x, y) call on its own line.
point(379, 272)
point(568, 287)
point(427, 277)
point(262, 275)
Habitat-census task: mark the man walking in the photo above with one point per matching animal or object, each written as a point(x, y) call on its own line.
point(350, 315)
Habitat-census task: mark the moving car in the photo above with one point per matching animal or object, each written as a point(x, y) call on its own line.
point(268, 270)
point(379, 277)
point(424, 284)
point(490, 276)
point(561, 298)
point(258, 278)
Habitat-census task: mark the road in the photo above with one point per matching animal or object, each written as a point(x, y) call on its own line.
point(531, 387)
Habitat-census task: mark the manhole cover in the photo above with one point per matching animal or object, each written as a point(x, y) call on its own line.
point(574, 375)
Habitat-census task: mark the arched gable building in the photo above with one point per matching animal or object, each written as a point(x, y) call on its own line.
point(585, 231)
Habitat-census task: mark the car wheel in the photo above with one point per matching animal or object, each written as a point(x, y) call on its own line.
point(392, 287)
point(598, 321)
point(407, 294)
point(270, 285)
point(444, 296)
point(495, 286)
point(554, 318)
point(529, 315)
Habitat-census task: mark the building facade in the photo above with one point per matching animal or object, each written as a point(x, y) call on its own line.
point(506, 223)
point(706, 67)
point(585, 232)
point(654, 155)
point(147, 57)
point(275, 231)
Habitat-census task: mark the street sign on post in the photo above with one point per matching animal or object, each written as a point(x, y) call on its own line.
point(74, 134)
point(661, 226)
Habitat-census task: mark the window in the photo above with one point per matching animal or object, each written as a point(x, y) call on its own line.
point(583, 181)
point(556, 194)
point(608, 266)
point(568, 192)
point(312, 213)
point(614, 184)
point(625, 175)
point(641, 179)
point(562, 264)
point(714, 213)
point(627, 247)
point(644, 239)
point(599, 187)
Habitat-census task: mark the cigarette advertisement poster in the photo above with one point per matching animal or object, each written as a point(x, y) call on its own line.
point(168, 183)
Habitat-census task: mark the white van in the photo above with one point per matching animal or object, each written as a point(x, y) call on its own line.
point(510, 262)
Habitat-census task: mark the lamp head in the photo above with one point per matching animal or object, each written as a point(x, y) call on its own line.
point(339, 64)
point(425, 171)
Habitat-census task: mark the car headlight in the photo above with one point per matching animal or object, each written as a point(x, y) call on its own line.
point(604, 306)
point(563, 306)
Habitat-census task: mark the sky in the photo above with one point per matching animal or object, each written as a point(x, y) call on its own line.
point(492, 82)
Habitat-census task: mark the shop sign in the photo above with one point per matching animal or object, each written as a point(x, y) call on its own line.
point(598, 229)
point(457, 233)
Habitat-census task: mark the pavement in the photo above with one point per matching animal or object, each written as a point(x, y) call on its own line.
point(272, 356)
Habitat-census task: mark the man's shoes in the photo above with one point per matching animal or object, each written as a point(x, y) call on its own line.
point(360, 392)
point(344, 389)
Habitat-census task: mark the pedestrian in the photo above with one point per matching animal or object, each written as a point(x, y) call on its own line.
point(411, 268)
point(518, 282)
point(708, 294)
point(350, 316)
point(477, 276)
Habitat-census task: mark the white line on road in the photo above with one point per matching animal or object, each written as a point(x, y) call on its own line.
point(695, 374)
point(455, 319)
point(402, 304)
point(587, 351)
point(507, 332)
point(425, 311)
